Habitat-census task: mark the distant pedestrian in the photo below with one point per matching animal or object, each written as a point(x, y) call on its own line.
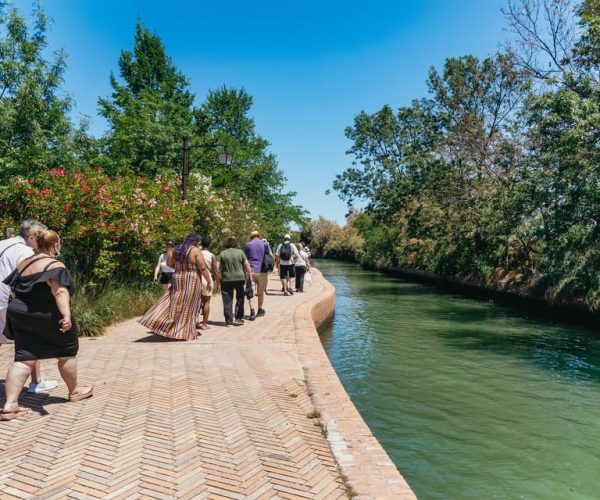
point(211, 263)
point(13, 251)
point(166, 271)
point(256, 250)
point(301, 267)
point(174, 314)
point(233, 271)
point(286, 253)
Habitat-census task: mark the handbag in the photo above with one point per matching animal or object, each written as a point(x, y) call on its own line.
point(308, 277)
point(249, 289)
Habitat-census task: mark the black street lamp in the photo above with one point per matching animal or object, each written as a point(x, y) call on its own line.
point(224, 157)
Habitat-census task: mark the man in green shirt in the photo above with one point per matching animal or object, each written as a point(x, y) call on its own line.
point(234, 269)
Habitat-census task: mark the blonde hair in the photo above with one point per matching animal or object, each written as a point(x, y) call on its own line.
point(45, 239)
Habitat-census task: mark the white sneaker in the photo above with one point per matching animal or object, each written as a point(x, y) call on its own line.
point(43, 386)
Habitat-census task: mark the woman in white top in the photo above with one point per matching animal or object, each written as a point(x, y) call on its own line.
point(301, 266)
point(211, 263)
point(161, 266)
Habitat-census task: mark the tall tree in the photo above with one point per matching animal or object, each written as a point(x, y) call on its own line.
point(224, 118)
point(149, 111)
point(35, 130)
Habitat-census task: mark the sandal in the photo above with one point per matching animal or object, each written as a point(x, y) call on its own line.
point(81, 395)
point(11, 415)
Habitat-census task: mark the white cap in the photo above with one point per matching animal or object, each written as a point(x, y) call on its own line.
point(287, 237)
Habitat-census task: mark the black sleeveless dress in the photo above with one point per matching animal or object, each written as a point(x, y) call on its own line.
point(33, 319)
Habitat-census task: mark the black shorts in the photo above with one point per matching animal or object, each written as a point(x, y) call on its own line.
point(286, 271)
point(165, 278)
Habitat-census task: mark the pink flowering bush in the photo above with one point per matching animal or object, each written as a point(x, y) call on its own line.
point(109, 226)
point(116, 227)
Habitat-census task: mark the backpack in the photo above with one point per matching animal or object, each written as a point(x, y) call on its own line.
point(267, 264)
point(285, 252)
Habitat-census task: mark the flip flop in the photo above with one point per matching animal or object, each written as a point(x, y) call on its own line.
point(11, 415)
point(81, 395)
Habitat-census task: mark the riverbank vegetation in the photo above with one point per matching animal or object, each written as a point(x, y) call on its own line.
point(117, 199)
point(495, 175)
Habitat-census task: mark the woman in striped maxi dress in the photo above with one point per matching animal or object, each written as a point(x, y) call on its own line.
point(174, 315)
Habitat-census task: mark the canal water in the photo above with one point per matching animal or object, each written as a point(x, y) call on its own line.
point(469, 398)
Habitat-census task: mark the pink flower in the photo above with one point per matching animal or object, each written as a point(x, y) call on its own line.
point(152, 202)
point(63, 221)
point(111, 228)
point(68, 207)
point(83, 228)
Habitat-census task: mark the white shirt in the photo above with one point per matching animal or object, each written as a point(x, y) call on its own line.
point(302, 257)
point(294, 255)
point(17, 252)
point(163, 264)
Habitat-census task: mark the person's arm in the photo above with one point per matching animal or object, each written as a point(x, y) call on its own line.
point(247, 267)
point(63, 303)
point(215, 270)
point(157, 268)
point(201, 264)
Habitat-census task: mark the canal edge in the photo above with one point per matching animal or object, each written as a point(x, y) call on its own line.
point(360, 457)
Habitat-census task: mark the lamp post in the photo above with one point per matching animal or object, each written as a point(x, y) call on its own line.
point(224, 157)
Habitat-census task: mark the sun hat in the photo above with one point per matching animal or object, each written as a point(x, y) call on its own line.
point(287, 237)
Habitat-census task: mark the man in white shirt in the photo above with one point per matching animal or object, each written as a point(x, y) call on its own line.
point(12, 251)
point(286, 254)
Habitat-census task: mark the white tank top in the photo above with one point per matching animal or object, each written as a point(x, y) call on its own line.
point(163, 264)
point(208, 259)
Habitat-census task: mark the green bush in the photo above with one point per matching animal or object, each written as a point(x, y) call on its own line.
point(95, 309)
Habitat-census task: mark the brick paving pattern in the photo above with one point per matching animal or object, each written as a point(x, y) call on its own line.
point(224, 416)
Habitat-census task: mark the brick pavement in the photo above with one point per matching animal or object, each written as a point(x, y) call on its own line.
point(224, 416)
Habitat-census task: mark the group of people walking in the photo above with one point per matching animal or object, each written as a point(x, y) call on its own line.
point(36, 288)
point(189, 272)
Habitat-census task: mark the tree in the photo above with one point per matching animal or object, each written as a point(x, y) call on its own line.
point(149, 112)
point(224, 118)
point(35, 130)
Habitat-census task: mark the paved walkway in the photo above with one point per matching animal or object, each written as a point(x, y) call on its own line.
point(224, 416)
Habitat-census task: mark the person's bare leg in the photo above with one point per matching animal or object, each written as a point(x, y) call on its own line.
point(36, 372)
point(68, 372)
point(165, 287)
point(205, 311)
point(15, 380)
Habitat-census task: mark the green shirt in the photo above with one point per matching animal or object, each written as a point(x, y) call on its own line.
point(231, 263)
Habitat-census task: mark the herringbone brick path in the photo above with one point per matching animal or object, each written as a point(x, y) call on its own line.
point(224, 416)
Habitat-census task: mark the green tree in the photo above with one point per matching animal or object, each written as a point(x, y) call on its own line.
point(224, 118)
point(35, 130)
point(149, 112)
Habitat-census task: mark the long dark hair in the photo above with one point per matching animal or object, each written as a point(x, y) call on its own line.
point(182, 250)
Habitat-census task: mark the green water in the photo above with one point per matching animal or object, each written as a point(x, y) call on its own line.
point(470, 399)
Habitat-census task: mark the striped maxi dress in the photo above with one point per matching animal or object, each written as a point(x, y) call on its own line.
point(174, 315)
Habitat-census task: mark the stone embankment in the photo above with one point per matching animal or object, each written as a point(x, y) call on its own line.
point(248, 412)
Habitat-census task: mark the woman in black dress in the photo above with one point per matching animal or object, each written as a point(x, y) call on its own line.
point(39, 320)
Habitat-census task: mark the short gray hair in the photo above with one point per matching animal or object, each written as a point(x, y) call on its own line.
point(28, 225)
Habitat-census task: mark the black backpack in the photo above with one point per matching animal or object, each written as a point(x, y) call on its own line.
point(267, 263)
point(285, 252)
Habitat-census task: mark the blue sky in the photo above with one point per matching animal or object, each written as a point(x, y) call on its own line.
point(311, 66)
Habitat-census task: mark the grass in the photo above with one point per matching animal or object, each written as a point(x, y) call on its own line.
point(95, 309)
point(314, 414)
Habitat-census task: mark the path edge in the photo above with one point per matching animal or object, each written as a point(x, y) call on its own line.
point(362, 460)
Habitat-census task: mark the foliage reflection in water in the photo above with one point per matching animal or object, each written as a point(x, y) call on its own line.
point(470, 399)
